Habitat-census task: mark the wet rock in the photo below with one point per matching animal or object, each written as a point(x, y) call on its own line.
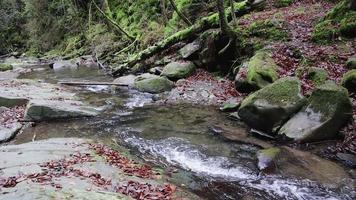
point(190, 49)
point(62, 64)
point(5, 67)
point(42, 110)
point(349, 80)
point(126, 80)
point(7, 133)
point(266, 159)
point(153, 84)
point(268, 108)
point(327, 110)
point(351, 62)
point(65, 158)
point(317, 75)
point(259, 72)
point(45, 101)
point(292, 163)
point(178, 70)
point(348, 159)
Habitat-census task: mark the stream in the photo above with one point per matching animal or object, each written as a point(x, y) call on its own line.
point(181, 139)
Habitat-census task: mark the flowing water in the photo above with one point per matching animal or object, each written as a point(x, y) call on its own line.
point(178, 138)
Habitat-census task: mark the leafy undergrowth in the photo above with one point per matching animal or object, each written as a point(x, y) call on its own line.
point(52, 170)
point(11, 115)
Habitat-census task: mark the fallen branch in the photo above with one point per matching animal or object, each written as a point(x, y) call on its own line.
point(93, 83)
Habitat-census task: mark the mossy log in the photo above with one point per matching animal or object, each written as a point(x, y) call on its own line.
point(189, 33)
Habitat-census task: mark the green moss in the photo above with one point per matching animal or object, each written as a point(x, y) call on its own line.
point(282, 3)
point(349, 80)
point(281, 92)
point(268, 29)
point(262, 70)
point(340, 21)
point(5, 67)
point(317, 75)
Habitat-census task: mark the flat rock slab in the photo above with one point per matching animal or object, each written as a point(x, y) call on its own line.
point(69, 168)
point(6, 133)
point(44, 101)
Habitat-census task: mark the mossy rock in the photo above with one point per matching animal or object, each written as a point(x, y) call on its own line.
point(317, 75)
point(268, 29)
point(327, 110)
point(351, 62)
point(178, 70)
point(5, 67)
point(154, 84)
point(349, 80)
point(261, 71)
point(340, 21)
point(230, 107)
point(268, 108)
point(282, 3)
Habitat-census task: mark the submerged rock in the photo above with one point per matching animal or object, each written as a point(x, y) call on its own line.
point(153, 84)
point(266, 159)
point(267, 109)
point(292, 163)
point(328, 109)
point(349, 81)
point(259, 72)
point(178, 70)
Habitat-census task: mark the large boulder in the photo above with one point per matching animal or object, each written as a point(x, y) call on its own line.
point(267, 109)
point(153, 84)
point(259, 72)
point(349, 80)
point(126, 80)
point(7, 133)
point(327, 110)
point(317, 75)
point(178, 70)
point(190, 49)
point(43, 110)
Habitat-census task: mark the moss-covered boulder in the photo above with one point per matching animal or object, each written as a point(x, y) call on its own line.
point(270, 29)
point(259, 72)
point(5, 67)
point(340, 21)
point(327, 110)
point(317, 75)
point(178, 70)
point(351, 62)
point(268, 108)
point(349, 80)
point(153, 84)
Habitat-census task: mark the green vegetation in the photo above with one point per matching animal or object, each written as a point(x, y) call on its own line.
point(268, 29)
point(340, 21)
point(5, 67)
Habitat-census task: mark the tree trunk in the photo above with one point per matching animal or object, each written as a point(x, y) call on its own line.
point(180, 14)
point(234, 19)
point(352, 4)
point(225, 28)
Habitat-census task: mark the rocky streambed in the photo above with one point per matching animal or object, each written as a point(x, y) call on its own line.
point(103, 142)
